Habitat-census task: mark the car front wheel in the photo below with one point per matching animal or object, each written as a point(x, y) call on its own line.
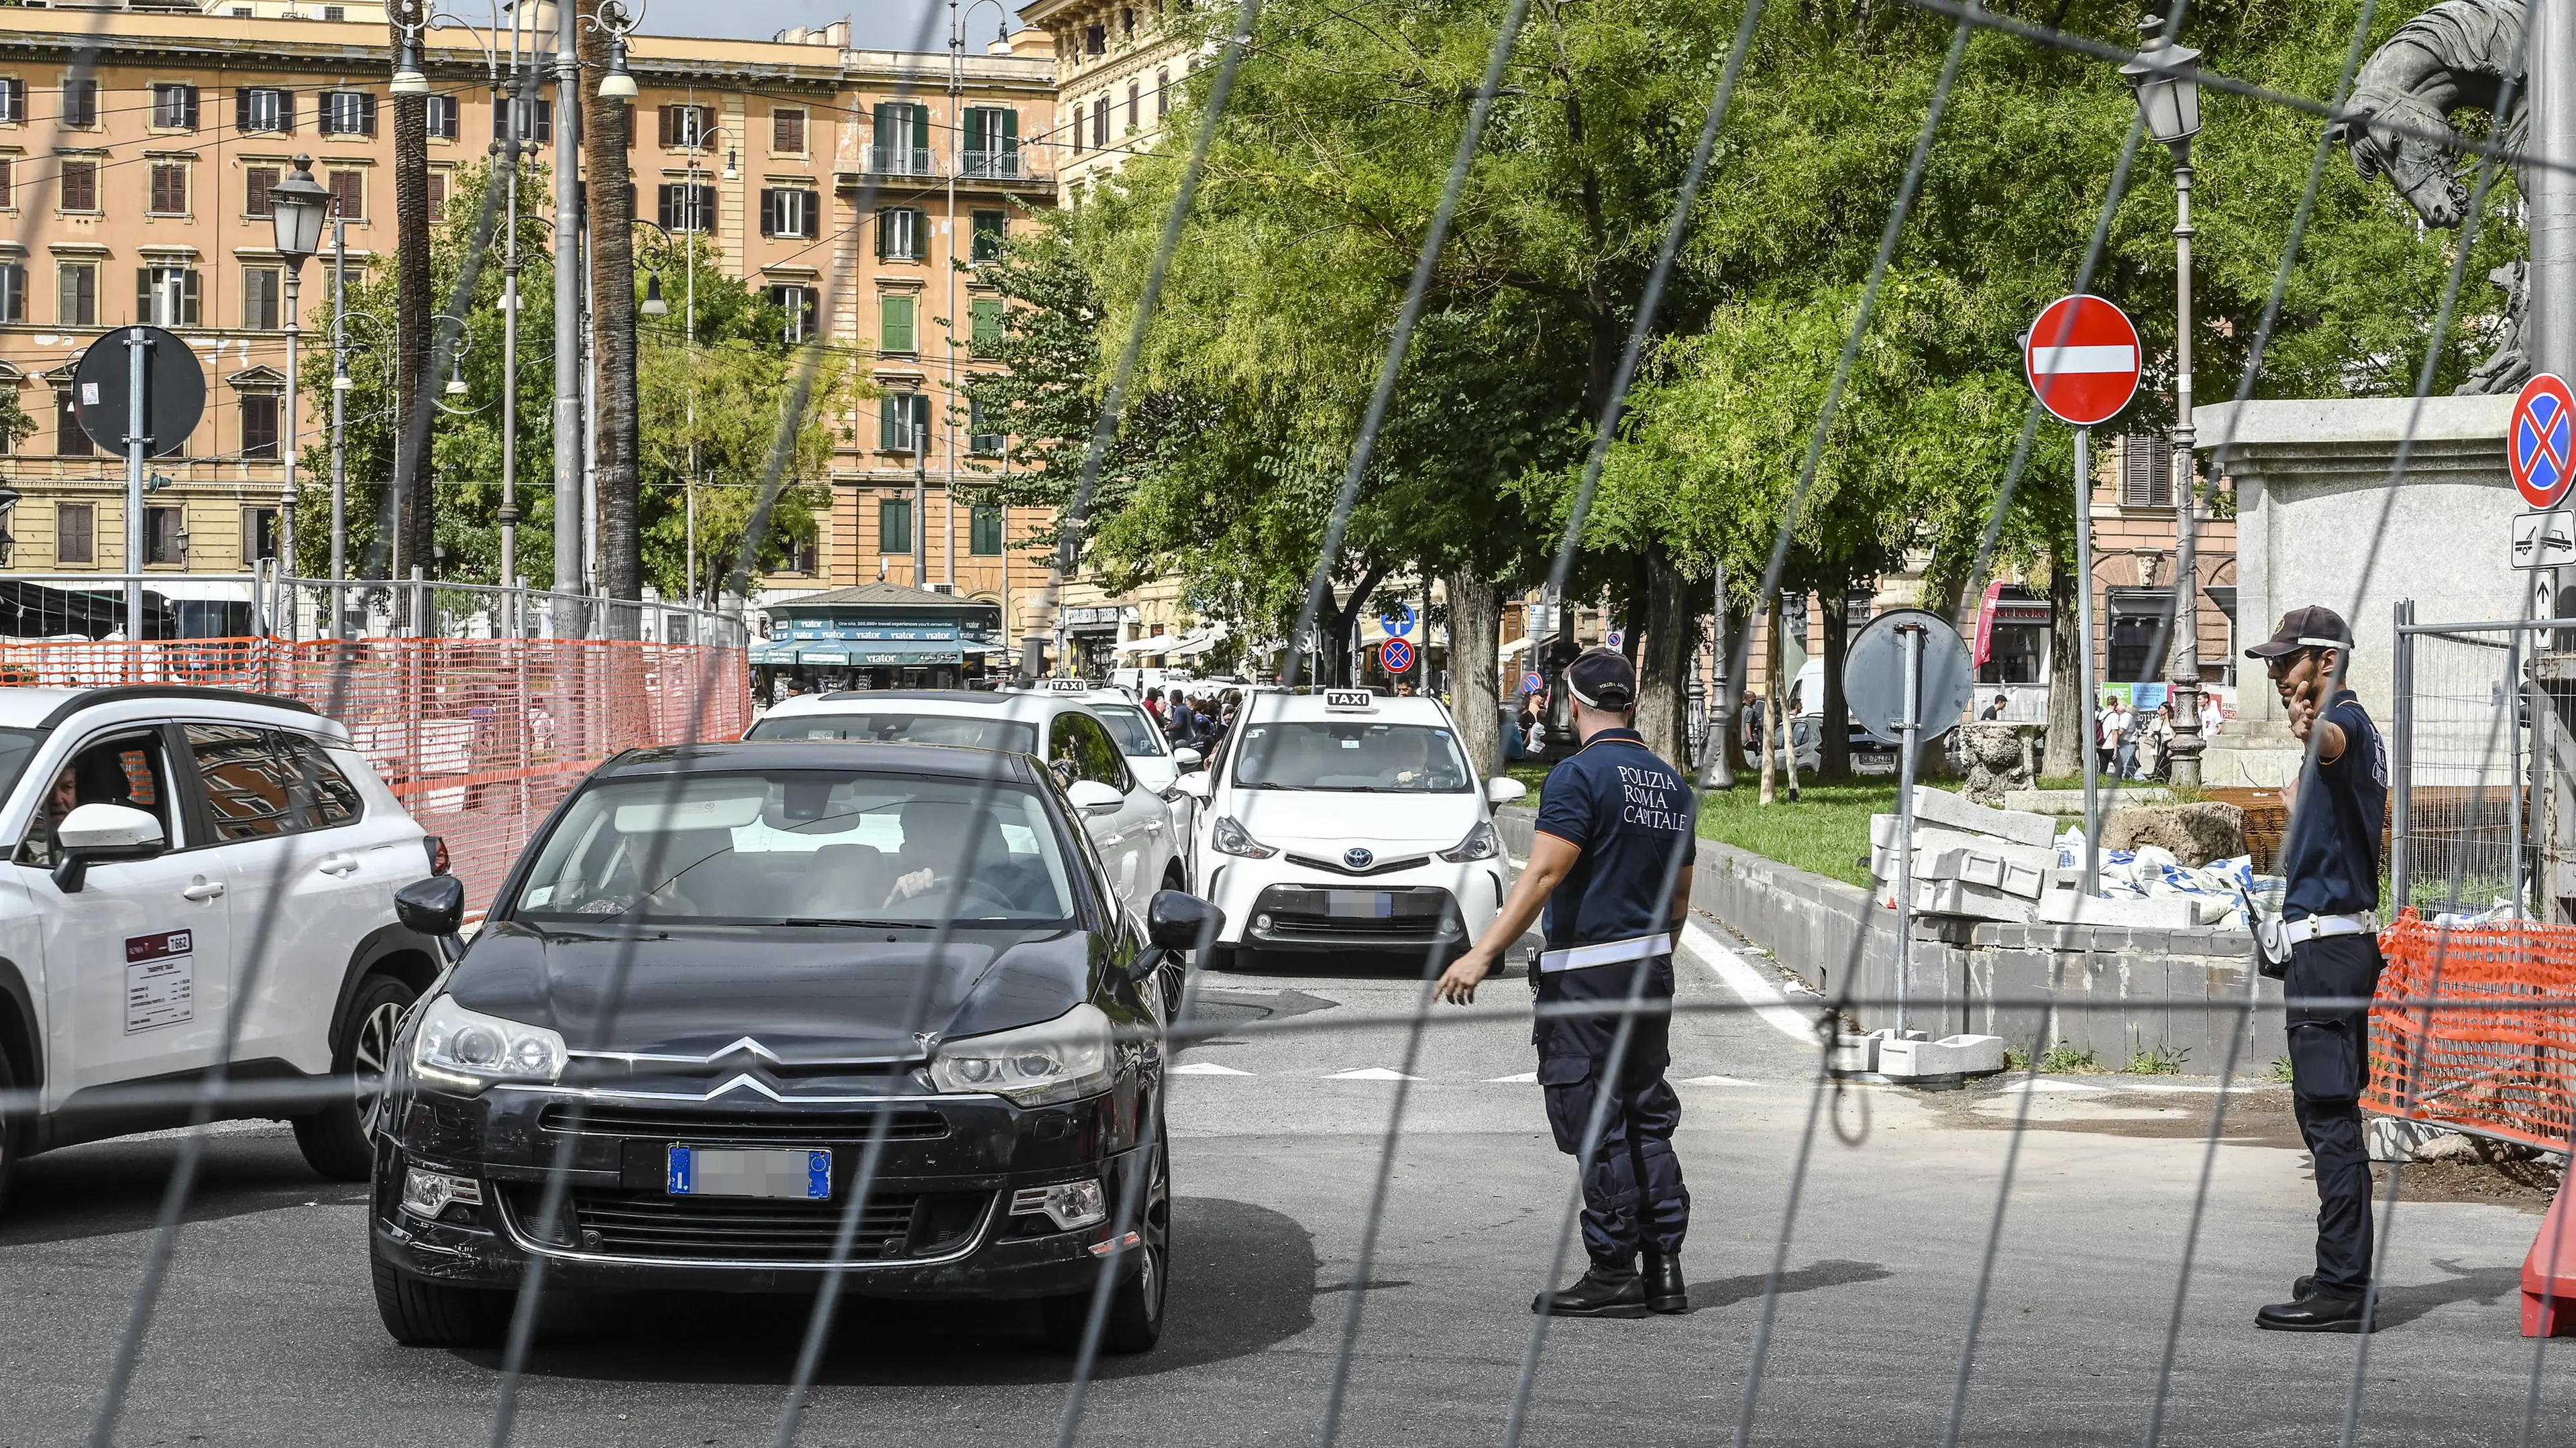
point(438, 1314)
point(8, 1125)
point(336, 1139)
point(1135, 1321)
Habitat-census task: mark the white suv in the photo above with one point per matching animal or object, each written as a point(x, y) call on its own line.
point(1140, 836)
point(1342, 820)
point(171, 865)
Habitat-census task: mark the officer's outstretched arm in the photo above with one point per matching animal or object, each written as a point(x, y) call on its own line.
point(1550, 858)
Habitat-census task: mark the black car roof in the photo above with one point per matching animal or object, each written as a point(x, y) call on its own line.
point(942, 760)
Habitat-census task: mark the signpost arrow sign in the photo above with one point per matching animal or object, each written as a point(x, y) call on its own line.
point(2082, 359)
point(2537, 442)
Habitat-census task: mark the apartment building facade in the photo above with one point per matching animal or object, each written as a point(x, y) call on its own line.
point(137, 149)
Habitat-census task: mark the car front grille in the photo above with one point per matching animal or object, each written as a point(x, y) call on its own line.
point(1414, 913)
point(892, 1226)
point(1377, 867)
point(690, 1123)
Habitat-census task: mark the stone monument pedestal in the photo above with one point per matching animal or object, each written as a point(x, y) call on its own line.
point(2314, 480)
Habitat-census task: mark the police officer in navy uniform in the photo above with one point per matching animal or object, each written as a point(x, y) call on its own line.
point(1611, 864)
point(2329, 918)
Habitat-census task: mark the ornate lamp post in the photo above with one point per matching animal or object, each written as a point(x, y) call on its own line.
point(297, 207)
point(2165, 77)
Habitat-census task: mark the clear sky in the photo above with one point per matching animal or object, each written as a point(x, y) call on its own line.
point(874, 24)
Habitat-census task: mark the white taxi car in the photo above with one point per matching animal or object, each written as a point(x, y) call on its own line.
point(1140, 837)
point(1341, 820)
point(171, 866)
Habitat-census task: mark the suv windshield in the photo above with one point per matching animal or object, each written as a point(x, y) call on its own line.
point(1330, 754)
point(17, 746)
point(1136, 735)
point(789, 847)
point(969, 730)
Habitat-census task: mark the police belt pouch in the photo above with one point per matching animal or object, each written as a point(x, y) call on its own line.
point(2274, 938)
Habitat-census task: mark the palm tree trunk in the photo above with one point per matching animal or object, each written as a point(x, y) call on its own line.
point(604, 134)
point(415, 515)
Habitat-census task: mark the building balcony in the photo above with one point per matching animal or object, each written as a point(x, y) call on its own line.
point(1007, 167)
point(916, 161)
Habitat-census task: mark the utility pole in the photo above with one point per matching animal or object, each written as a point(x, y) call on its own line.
point(515, 107)
point(920, 504)
point(2550, 336)
point(568, 430)
point(339, 423)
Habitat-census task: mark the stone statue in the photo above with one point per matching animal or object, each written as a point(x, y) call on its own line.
point(2455, 56)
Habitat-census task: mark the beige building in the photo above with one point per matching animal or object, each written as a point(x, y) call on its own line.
point(137, 149)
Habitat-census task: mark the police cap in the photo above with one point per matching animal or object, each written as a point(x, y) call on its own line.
point(2313, 627)
point(1603, 679)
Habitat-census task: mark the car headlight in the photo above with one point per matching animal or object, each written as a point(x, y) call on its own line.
point(465, 1051)
point(1231, 838)
point(1479, 845)
point(1061, 1060)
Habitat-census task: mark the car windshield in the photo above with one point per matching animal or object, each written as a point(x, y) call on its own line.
point(1334, 754)
point(17, 746)
point(1136, 735)
point(973, 731)
point(791, 847)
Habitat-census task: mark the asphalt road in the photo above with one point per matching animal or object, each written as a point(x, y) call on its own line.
point(267, 1333)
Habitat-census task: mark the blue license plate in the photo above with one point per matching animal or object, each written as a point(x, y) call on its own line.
point(791, 1173)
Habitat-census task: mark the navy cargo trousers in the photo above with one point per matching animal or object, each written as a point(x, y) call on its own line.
point(1632, 1186)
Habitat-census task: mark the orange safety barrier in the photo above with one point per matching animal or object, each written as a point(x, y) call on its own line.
point(479, 738)
point(2498, 1055)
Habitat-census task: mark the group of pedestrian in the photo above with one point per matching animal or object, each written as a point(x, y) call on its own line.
point(2132, 745)
point(1192, 722)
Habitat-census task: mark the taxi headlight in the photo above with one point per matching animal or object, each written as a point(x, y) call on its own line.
point(1479, 845)
point(465, 1051)
point(1231, 838)
point(1064, 1059)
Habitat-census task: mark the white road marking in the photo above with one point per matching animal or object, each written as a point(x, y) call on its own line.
point(1749, 985)
point(1371, 1073)
point(1207, 1068)
point(2076, 1088)
point(1716, 1081)
point(1530, 1077)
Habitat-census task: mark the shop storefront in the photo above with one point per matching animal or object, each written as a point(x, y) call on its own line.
point(877, 636)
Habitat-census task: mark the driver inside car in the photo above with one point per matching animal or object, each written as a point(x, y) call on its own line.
point(945, 841)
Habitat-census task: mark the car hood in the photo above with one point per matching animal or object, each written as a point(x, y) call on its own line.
point(1390, 824)
point(804, 993)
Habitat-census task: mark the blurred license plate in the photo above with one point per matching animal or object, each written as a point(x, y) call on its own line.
point(723, 1171)
point(1359, 904)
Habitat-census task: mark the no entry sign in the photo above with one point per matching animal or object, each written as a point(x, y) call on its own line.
point(2537, 440)
point(2082, 359)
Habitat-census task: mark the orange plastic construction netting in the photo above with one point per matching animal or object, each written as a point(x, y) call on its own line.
point(479, 738)
point(2474, 1027)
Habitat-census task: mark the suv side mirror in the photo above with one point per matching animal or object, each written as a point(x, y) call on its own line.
point(1175, 920)
point(1503, 790)
point(434, 907)
point(1187, 758)
point(1092, 797)
point(1196, 785)
point(96, 834)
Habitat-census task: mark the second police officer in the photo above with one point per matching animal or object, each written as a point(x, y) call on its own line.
point(1611, 864)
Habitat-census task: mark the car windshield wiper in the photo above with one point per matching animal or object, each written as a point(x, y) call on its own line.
point(853, 921)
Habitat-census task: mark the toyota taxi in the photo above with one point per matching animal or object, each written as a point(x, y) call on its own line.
point(1339, 820)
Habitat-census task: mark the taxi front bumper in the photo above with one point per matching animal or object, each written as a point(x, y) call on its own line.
point(1287, 904)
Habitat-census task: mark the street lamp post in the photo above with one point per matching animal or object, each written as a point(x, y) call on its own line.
point(956, 129)
point(2168, 93)
point(296, 208)
point(339, 421)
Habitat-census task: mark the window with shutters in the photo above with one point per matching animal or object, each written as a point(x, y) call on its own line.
point(75, 531)
point(787, 211)
point(264, 110)
point(787, 132)
point(257, 182)
point(682, 207)
point(166, 296)
point(1095, 39)
point(69, 439)
point(80, 103)
point(894, 525)
point(79, 185)
point(1135, 107)
point(348, 113)
point(990, 227)
point(434, 191)
point(261, 290)
point(898, 415)
point(983, 437)
point(8, 184)
point(439, 113)
point(799, 555)
point(174, 107)
point(990, 144)
point(988, 315)
point(259, 535)
point(1100, 122)
point(901, 145)
point(2146, 471)
point(13, 100)
point(349, 195)
point(169, 188)
point(259, 425)
point(894, 323)
point(76, 294)
point(1162, 95)
point(1073, 131)
point(13, 291)
point(686, 128)
point(803, 306)
point(984, 534)
point(903, 234)
point(165, 536)
point(532, 117)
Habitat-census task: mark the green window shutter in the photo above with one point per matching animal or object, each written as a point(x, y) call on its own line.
point(894, 333)
point(1010, 133)
point(987, 540)
point(894, 525)
point(882, 224)
point(893, 432)
point(884, 124)
point(976, 119)
point(987, 332)
point(921, 415)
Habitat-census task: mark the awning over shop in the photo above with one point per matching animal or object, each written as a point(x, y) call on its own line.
point(1161, 643)
point(874, 653)
point(1516, 646)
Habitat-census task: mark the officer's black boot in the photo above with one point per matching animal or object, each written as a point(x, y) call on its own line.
point(2316, 1312)
point(1665, 1291)
point(1604, 1291)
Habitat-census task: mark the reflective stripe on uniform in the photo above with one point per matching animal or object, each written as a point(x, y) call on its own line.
point(1606, 952)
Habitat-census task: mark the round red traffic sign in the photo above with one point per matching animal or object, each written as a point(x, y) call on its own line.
point(2537, 440)
point(2082, 359)
point(1397, 656)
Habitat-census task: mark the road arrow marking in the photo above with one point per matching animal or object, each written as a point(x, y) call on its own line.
point(1207, 1068)
point(1371, 1073)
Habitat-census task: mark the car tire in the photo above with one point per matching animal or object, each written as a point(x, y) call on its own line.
point(8, 1124)
point(439, 1314)
point(336, 1141)
point(1136, 1305)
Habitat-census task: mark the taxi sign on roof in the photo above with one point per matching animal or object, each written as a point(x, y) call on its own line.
point(1066, 686)
point(1349, 699)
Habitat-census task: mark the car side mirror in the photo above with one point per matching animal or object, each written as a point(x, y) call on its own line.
point(1092, 797)
point(1187, 758)
point(97, 834)
point(1176, 920)
point(1196, 785)
point(434, 907)
point(1503, 790)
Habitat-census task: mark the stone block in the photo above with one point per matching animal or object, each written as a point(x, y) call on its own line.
point(1949, 1056)
point(2195, 833)
point(1941, 807)
point(1958, 897)
point(2160, 912)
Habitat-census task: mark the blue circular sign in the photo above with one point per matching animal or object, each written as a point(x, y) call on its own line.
point(2541, 439)
point(1532, 683)
point(1398, 623)
point(1397, 655)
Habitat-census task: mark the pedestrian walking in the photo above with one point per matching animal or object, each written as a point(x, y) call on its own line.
point(1996, 709)
point(2124, 739)
point(2326, 947)
point(1611, 865)
point(2105, 742)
